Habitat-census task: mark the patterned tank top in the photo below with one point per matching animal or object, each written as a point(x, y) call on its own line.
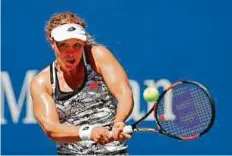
point(92, 104)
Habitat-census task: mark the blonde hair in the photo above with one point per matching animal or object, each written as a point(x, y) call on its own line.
point(66, 18)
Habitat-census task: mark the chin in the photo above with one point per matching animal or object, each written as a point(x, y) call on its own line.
point(69, 68)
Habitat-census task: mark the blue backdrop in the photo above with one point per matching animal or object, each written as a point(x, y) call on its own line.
point(153, 39)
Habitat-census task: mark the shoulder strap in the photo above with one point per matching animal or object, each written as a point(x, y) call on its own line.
point(53, 76)
point(86, 50)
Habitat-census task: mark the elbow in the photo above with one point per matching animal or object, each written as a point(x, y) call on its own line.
point(131, 99)
point(48, 131)
point(48, 128)
point(126, 91)
point(128, 95)
point(51, 134)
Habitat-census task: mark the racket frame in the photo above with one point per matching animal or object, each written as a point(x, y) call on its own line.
point(154, 108)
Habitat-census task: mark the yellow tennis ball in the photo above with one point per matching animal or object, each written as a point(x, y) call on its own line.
point(151, 94)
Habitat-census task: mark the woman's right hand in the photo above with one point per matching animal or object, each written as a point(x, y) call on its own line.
point(101, 135)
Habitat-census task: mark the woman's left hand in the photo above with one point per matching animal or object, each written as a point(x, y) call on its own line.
point(117, 132)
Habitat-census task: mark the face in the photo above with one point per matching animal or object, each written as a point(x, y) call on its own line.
point(69, 53)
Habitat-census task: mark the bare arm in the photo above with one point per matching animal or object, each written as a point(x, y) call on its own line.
point(46, 115)
point(116, 80)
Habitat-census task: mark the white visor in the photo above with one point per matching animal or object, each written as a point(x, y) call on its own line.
point(68, 31)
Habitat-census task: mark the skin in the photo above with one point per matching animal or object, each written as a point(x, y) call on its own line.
point(70, 77)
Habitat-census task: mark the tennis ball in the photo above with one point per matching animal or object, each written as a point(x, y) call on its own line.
point(151, 94)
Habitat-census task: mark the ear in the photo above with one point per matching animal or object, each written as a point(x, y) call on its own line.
point(50, 39)
point(54, 46)
point(52, 42)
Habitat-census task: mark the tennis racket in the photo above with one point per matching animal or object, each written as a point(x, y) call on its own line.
point(190, 115)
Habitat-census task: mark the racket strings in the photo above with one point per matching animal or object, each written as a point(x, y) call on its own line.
point(204, 110)
point(192, 108)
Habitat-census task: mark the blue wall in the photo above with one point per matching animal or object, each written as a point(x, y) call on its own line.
point(153, 39)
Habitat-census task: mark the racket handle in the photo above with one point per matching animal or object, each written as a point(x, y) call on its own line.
point(128, 129)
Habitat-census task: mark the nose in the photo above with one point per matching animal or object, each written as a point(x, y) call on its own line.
point(69, 54)
point(70, 50)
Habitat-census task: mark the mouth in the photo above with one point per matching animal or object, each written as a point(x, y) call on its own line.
point(72, 61)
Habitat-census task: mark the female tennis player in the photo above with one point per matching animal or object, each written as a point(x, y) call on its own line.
point(82, 99)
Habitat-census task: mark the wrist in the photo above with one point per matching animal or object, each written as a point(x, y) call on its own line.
point(116, 120)
point(85, 132)
point(118, 125)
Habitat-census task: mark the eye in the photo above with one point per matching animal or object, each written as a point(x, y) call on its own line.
point(62, 45)
point(77, 45)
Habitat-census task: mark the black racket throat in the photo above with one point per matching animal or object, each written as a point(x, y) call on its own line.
point(150, 111)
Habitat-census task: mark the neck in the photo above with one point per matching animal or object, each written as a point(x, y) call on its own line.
point(79, 68)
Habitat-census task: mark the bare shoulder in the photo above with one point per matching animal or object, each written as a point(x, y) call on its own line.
point(106, 61)
point(42, 80)
point(97, 55)
point(100, 52)
point(103, 56)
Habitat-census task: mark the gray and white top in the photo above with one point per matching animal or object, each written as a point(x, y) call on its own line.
point(92, 104)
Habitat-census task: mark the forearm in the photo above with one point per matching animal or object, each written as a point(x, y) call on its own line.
point(61, 132)
point(65, 133)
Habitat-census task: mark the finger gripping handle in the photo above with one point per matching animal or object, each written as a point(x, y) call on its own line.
point(128, 129)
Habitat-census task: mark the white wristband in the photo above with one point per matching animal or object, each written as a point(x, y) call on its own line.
point(85, 132)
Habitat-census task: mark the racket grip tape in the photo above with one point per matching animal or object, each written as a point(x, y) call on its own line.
point(128, 129)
